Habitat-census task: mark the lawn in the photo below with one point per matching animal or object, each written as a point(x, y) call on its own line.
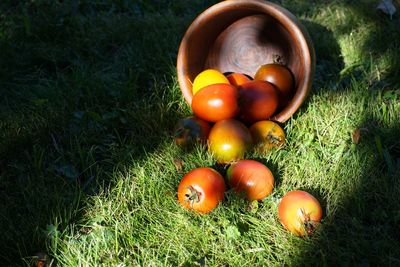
point(89, 169)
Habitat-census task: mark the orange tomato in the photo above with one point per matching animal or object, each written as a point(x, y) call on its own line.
point(267, 135)
point(300, 212)
point(237, 79)
point(202, 189)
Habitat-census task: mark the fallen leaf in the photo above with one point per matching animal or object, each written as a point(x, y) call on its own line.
point(387, 7)
point(358, 133)
point(178, 163)
point(86, 230)
point(356, 136)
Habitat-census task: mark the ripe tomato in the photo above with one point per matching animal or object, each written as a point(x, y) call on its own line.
point(258, 101)
point(191, 130)
point(208, 77)
point(281, 77)
point(237, 79)
point(299, 212)
point(229, 140)
point(266, 135)
point(201, 189)
point(251, 177)
point(216, 102)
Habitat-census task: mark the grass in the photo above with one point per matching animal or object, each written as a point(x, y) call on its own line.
point(89, 171)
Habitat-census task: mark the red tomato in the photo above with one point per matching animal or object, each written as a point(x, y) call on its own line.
point(258, 101)
point(251, 177)
point(237, 79)
point(281, 77)
point(299, 212)
point(216, 102)
point(202, 189)
point(267, 135)
point(191, 130)
point(229, 140)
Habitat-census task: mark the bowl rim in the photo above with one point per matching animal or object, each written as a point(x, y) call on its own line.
point(283, 16)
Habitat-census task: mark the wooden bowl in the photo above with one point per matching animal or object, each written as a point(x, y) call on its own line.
point(240, 36)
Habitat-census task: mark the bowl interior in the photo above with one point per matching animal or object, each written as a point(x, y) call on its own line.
point(249, 43)
point(240, 36)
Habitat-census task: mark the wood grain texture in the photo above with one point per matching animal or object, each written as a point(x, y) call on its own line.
point(247, 44)
point(241, 35)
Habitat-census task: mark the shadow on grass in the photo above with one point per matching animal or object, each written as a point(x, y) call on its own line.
point(329, 61)
point(76, 106)
point(47, 174)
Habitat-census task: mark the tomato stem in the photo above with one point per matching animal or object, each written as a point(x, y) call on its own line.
point(309, 225)
point(275, 140)
point(193, 196)
point(277, 59)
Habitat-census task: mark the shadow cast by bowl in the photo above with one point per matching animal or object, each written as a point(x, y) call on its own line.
point(329, 60)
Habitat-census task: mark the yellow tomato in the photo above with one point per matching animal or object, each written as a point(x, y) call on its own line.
point(208, 77)
point(229, 140)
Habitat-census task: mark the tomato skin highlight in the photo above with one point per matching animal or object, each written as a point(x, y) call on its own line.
point(300, 212)
point(258, 101)
point(216, 102)
point(267, 135)
point(201, 189)
point(281, 77)
point(229, 140)
point(251, 177)
point(190, 130)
